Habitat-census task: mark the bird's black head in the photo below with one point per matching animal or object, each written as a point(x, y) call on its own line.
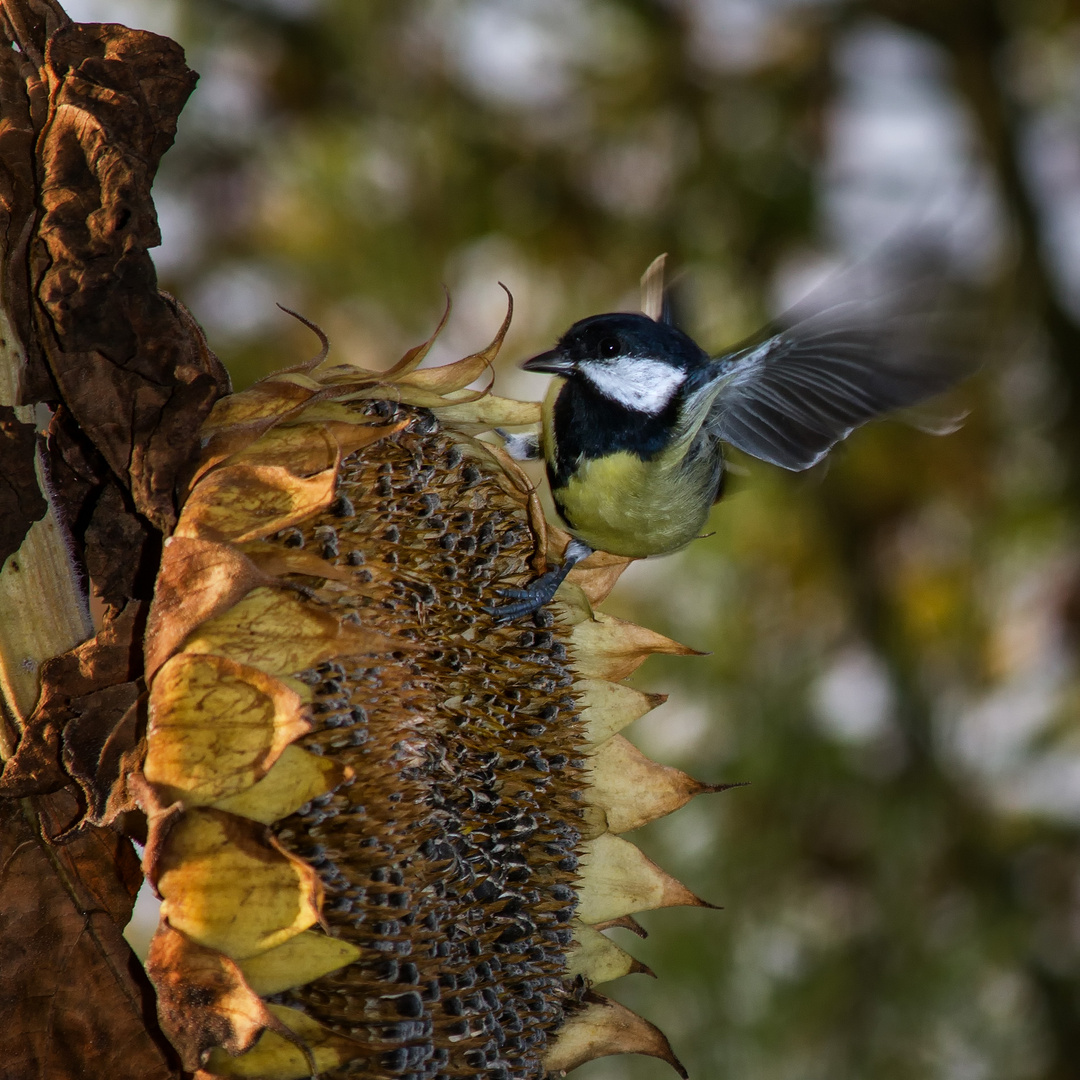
point(631, 360)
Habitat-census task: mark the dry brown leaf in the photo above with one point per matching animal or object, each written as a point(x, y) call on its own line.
point(62, 909)
point(136, 381)
point(81, 728)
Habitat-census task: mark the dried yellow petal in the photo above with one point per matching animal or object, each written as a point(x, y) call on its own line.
point(265, 401)
point(216, 727)
point(596, 957)
point(633, 790)
point(296, 778)
point(617, 879)
point(608, 707)
point(490, 412)
point(605, 1027)
point(416, 354)
point(280, 632)
point(274, 1057)
point(198, 579)
point(306, 956)
point(228, 885)
point(248, 502)
point(452, 377)
point(610, 648)
point(276, 561)
point(303, 449)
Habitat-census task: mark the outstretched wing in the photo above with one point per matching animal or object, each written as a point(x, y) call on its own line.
point(789, 399)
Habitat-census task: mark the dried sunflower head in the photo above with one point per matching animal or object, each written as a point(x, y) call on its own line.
point(385, 830)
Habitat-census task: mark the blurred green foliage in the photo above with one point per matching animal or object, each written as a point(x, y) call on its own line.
point(892, 636)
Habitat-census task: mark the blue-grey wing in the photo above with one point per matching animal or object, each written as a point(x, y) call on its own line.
point(791, 398)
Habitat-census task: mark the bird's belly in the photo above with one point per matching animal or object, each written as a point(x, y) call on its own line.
point(627, 506)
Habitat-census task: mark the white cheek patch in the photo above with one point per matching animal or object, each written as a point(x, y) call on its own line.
point(637, 383)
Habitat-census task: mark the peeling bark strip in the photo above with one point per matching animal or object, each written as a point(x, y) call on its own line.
point(21, 503)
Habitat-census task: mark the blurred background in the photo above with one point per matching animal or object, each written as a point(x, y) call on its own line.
point(892, 635)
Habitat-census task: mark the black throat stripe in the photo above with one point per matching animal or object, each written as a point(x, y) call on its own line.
point(588, 425)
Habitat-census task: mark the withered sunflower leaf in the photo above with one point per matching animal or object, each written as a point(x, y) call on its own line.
point(605, 1027)
point(21, 501)
point(135, 379)
point(64, 907)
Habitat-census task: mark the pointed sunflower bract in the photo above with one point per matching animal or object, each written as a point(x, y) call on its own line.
point(384, 829)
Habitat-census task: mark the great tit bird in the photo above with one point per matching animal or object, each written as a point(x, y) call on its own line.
point(635, 420)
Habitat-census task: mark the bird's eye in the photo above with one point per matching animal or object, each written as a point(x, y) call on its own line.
point(609, 346)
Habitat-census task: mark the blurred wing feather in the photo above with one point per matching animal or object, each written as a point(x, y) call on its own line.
point(790, 399)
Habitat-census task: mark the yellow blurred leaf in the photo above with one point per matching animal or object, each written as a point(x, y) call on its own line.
point(608, 707)
point(632, 789)
point(617, 879)
point(610, 648)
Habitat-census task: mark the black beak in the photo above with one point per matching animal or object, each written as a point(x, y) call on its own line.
point(553, 361)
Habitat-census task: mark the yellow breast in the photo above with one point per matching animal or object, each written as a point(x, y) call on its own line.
point(627, 506)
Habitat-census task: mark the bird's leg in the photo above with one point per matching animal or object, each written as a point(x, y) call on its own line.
point(539, 592)
point(525, 447)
